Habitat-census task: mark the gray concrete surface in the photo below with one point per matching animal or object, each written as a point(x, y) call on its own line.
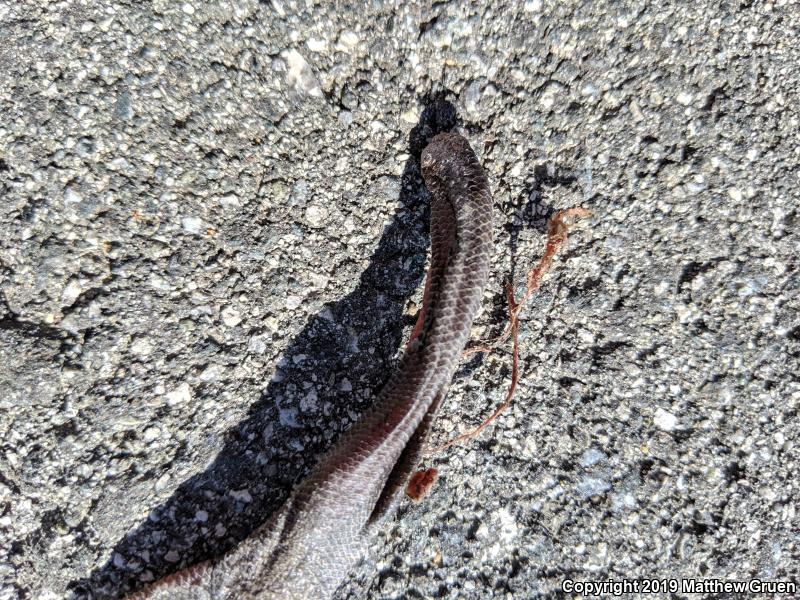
point(213, 234)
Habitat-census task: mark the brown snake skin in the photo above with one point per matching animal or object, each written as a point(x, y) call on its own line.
point(307, 547)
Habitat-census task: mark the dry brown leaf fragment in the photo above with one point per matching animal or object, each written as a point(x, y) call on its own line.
point(420, 484)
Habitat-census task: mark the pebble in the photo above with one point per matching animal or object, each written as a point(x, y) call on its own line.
point(180, 395)
point(299, 75)
point(316, 215)
point(141, 346)
point(591, 457)
point(71, 196)
point(192, 224)
point(231, 316)
point(664, 420)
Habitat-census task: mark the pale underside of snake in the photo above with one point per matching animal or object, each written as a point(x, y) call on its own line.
point(307, 547)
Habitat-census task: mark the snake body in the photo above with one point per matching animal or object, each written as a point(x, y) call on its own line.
point(307, 547)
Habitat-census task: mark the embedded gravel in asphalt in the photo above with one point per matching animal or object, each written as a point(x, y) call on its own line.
point(212, 239)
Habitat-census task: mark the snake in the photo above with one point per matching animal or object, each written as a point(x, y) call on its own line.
point(308, 546)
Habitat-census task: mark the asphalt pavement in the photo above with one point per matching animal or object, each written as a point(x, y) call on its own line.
point(213, 234)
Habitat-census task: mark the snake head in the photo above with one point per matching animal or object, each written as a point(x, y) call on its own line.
point(443, 158)
point(450, 168)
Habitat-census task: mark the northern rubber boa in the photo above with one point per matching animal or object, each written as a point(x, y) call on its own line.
point(307, 547)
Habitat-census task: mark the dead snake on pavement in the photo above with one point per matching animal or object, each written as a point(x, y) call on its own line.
point(308, 546)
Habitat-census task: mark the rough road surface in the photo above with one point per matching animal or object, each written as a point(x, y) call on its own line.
point(212, 239)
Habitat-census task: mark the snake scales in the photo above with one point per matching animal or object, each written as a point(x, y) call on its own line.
point(307, 547)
